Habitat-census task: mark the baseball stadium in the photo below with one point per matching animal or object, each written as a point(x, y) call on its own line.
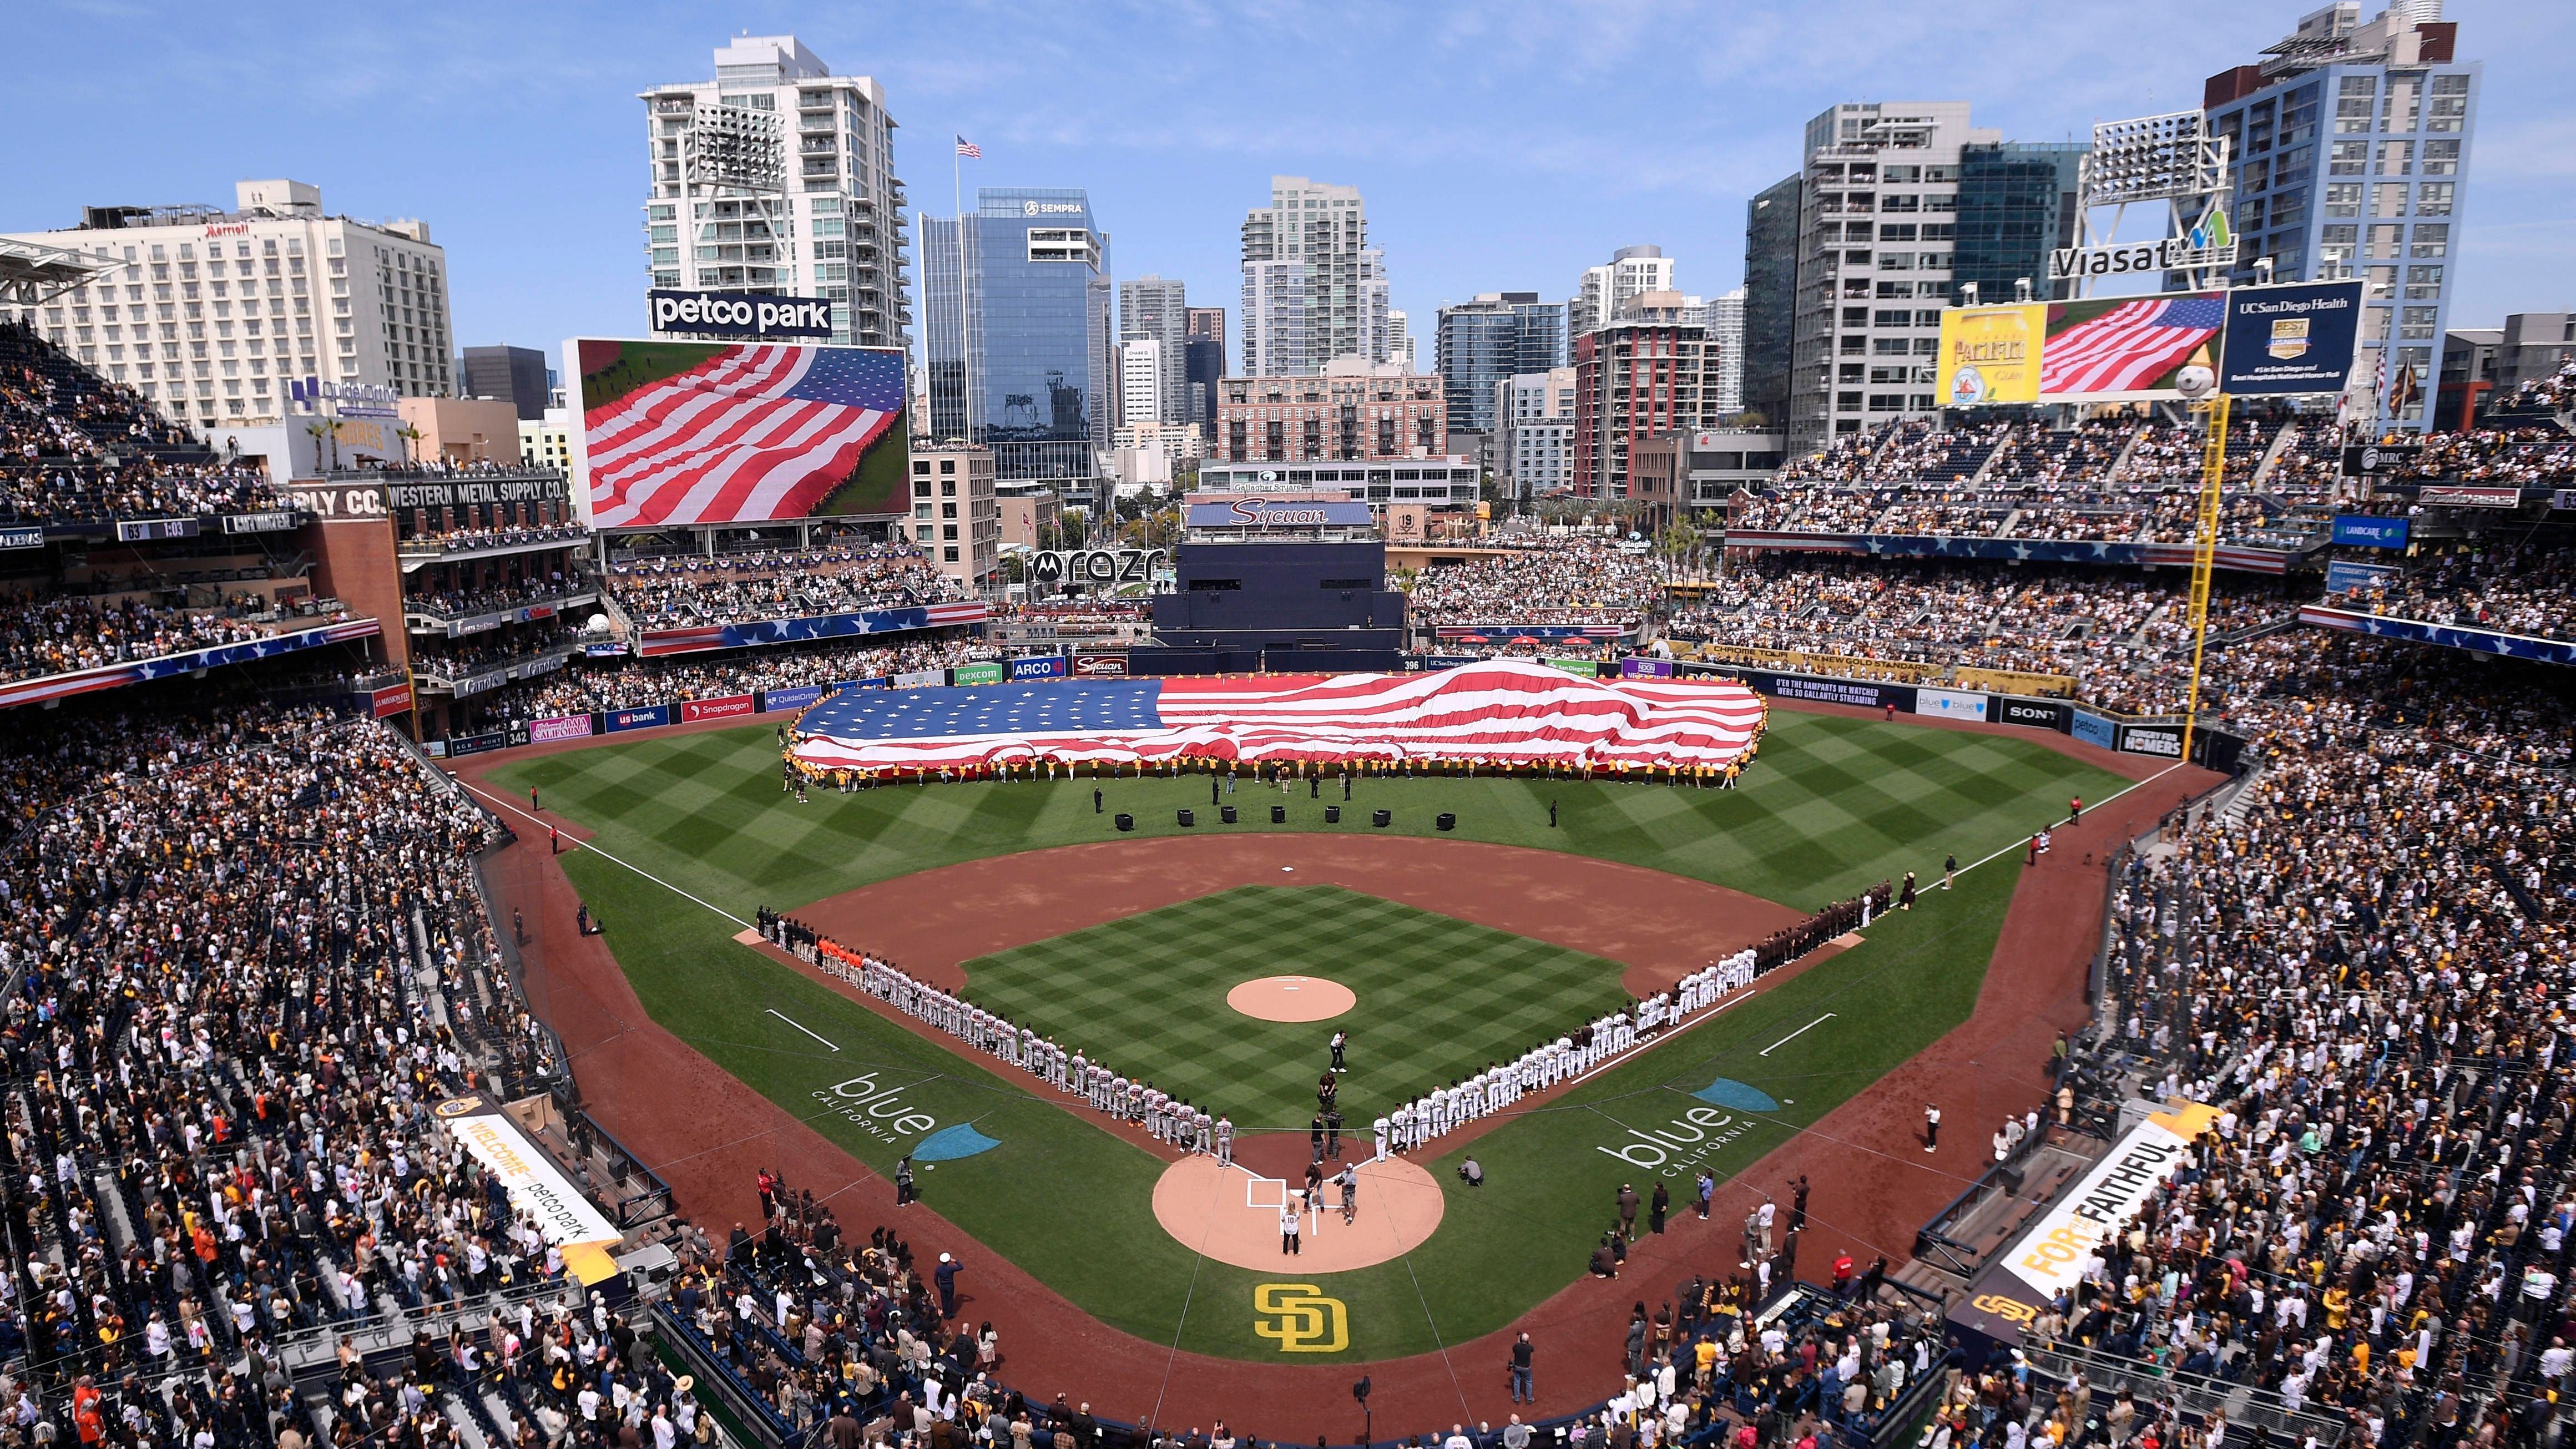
point(2041, 923)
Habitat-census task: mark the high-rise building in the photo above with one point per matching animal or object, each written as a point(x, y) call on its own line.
point(1207, 323)
point(1399, 339)
point(212, 312)
point(1645, 373)
point(2016, 201)
point(1159, 308)
point(1863, 274)
point(1141, 375)
point(1770, 296)
point(778, 176)
point(956, 517)
point(1017, 331)
point(2351, 151)
point(1534, 414)
point(1313, 288)
point(1206, 366)
point(1497, 335)
point(1726, 335)
point(1353, 410)
point(515, 375)
point(1630, 270)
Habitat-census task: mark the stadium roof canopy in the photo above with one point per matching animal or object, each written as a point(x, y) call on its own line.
point(31, 272)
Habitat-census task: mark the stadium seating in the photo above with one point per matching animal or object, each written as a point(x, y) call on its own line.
point(1570, 581)
point(75, 447)
point(678, 592)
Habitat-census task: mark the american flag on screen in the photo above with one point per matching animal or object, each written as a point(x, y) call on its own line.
point(1496, 711)
point(755, 432)
point(2128, 347)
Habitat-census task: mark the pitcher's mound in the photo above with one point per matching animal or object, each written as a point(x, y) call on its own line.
point(1291, 998)
point(1233, 1216)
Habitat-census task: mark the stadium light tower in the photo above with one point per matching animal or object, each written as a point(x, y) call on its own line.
point(2171, 158)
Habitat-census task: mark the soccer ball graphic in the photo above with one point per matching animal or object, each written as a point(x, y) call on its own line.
point(2195, 381)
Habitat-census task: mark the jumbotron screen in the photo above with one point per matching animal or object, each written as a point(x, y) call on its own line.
point(715, 432)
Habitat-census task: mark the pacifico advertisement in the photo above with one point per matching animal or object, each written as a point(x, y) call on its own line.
point(1991, 354)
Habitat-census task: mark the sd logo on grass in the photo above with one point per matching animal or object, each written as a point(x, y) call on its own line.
point(1300, 1318)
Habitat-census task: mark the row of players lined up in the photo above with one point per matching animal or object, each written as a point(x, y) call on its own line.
point(1183, 1124)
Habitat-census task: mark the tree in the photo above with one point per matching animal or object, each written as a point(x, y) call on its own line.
point(410, 438)
point(327, 428)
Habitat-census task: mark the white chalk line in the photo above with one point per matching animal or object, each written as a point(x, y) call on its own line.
point(800, 1026)
point(1793, 1036)
point(593, 847)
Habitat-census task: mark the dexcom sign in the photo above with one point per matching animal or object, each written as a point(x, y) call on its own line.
point(739, 314)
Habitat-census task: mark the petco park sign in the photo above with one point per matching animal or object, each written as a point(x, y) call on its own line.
point(739, 314)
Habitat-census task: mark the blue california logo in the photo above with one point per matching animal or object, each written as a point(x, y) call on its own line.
point(951, 1143)
point(1737, 1096)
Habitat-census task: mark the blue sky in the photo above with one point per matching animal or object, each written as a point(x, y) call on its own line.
point(1501, 144)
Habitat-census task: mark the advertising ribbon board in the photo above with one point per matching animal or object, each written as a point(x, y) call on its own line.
point(732, 705)
point(1634, 667)
point(1991, 354)
point(1950, 704)
point(564, 1217)
point(774, 700)
point(2047, 714)
point(975, 674)
point(2292, 339)
point(1588, 668)
point(1099, 666)
point(2343, 577)
point(1041, 666)
point(2162, 741)
point(647, 718)
point(2094, 730)
point(2362, 459)
point(1862, 694)
point(2452, 495)
point(2360, 530)
point(920, 678)
point(566, 727)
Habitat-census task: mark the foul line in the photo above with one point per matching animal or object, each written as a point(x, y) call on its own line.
point(1793, 1036)
point(593, 847)
point(2107, 799)
point(800, 1026)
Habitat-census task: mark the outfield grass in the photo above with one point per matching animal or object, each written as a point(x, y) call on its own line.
point(1440, 998)
point(1831, 807)
point(1834, 804)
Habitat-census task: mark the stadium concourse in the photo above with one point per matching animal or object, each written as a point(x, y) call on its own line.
point(251, 942)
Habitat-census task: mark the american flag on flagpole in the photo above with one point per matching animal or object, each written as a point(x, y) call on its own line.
point(1496, 711)
point(2128, 347)
point(969, 149)
point(755, 432)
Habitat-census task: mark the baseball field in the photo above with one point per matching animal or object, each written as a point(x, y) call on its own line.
point(1461, 948)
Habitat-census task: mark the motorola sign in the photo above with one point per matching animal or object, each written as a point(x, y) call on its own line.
point(1096, 566)
point(740, 314)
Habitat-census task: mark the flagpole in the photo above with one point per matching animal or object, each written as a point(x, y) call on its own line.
point(965, 353)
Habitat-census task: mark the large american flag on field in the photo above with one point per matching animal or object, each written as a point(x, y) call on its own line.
point(755, 432)
point(1499, 711)
point(2128, 347)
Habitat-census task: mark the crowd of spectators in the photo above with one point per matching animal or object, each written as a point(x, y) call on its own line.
point(2515, 590)
point(74, 446)
point(2364, 969)
point(43, 634)
point(588, 687)
point(2527, 457)
point(1573, 581)
point(249, 958)
point(679, 591)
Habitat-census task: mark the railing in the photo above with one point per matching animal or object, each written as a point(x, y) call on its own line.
point(2195, 1395)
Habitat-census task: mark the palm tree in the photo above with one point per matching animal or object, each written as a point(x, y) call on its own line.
point(330, 428)
point(410, 435)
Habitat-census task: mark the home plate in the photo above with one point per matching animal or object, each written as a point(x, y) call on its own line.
point(1291, 998)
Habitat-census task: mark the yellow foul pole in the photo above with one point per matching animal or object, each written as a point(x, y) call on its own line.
point(2204, 554)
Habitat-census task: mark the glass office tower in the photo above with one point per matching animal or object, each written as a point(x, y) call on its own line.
point(1018, 336)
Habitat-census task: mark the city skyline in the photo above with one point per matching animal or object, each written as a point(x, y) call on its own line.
point(516, 143)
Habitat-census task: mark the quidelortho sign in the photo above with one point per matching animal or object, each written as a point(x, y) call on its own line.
point(739, 314)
